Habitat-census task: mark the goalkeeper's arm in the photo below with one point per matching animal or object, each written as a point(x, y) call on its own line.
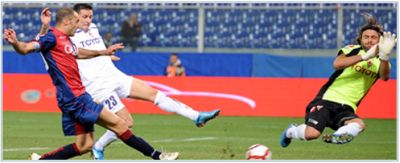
point(342, 61)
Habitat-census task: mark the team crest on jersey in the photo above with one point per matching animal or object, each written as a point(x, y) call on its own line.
point(369, 63)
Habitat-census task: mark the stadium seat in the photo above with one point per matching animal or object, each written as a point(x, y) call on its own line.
point(227, 27)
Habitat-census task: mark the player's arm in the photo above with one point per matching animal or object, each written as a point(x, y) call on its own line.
point(342, 61)
point(45, 17)
point(19, 46)
point(384, 70)
point(386, 44)
point(86, 54)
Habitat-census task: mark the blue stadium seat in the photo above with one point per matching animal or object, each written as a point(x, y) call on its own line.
point(227, 28)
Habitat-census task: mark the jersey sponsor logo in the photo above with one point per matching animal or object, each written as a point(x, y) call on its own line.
point(70, 49)
point(90, 42)
point(365, 71)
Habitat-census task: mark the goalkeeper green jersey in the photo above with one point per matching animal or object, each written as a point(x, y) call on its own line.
point(350, 85)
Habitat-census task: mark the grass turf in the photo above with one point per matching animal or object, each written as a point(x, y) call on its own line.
point(225, 138)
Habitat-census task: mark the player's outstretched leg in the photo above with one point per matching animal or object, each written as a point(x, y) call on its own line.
point(337, 139)
point(172, 105)
point(204, 117)
point(285, 140)
point(63, 153)
point(345, 133)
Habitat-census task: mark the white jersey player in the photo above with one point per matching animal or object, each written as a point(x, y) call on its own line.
point(99, 75)
point(107, 84)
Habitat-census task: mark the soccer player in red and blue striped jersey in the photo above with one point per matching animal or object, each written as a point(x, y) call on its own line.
point(79, 111)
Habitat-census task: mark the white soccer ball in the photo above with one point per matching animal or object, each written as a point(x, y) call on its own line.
point(258, 152)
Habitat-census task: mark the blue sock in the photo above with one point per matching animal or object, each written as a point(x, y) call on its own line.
point(62, 153)
point(139, 144)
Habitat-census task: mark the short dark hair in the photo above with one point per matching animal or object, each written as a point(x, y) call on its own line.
point(372, 24)
point(79, 6)
point(64, 13)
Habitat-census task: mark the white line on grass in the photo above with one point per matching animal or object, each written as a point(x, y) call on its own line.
point(179, 140)
point(25, 149)
point(186, 140)
point(162, 140)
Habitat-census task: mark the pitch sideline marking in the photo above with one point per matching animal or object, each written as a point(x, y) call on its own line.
point(25, 149)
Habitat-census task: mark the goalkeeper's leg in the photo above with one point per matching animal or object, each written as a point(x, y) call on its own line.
point(345, 133)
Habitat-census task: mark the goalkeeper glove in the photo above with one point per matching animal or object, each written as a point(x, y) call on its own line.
point(386, 44)
point(370, 53)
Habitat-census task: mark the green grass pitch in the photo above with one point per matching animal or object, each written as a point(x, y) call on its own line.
point(225, 138)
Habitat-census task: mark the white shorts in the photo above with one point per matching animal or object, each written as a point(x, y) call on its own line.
point(113, 102)
point(103, 81)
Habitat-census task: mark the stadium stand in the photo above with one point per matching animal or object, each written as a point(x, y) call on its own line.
point(237, 25)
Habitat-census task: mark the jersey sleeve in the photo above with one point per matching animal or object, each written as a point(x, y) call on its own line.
point(347, 49)
point(45, 42)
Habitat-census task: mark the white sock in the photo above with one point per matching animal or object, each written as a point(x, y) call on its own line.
point(296, 132)
point(352, 128)
point(105, 140)
point(171, 105)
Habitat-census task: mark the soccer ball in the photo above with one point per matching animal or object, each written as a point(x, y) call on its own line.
point(258, 152)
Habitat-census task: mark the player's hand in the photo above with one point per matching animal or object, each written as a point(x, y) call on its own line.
point(370, 53)
point(45, 17)
point(111, 50)
point(386, 44)
point(10, 36)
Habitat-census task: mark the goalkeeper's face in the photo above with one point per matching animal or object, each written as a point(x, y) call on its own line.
point(85, 19)
point(369, 38)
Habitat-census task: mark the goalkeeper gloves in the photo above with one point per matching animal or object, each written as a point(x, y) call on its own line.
point(370, 53)
point(386, 44)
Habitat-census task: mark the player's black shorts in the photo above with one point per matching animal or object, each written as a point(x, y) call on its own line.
point(321, 113)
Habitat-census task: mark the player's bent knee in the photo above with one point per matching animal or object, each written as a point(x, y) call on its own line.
point(129, 123)
point(120, 126)
point(124, 114)
point(359, 121)
point(311, 134)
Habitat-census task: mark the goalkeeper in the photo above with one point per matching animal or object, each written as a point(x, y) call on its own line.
point(358, 67)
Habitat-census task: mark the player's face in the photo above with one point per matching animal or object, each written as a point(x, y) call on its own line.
point(173, 59)
point(73, 25)
point(85, 17)
point(369, 38)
